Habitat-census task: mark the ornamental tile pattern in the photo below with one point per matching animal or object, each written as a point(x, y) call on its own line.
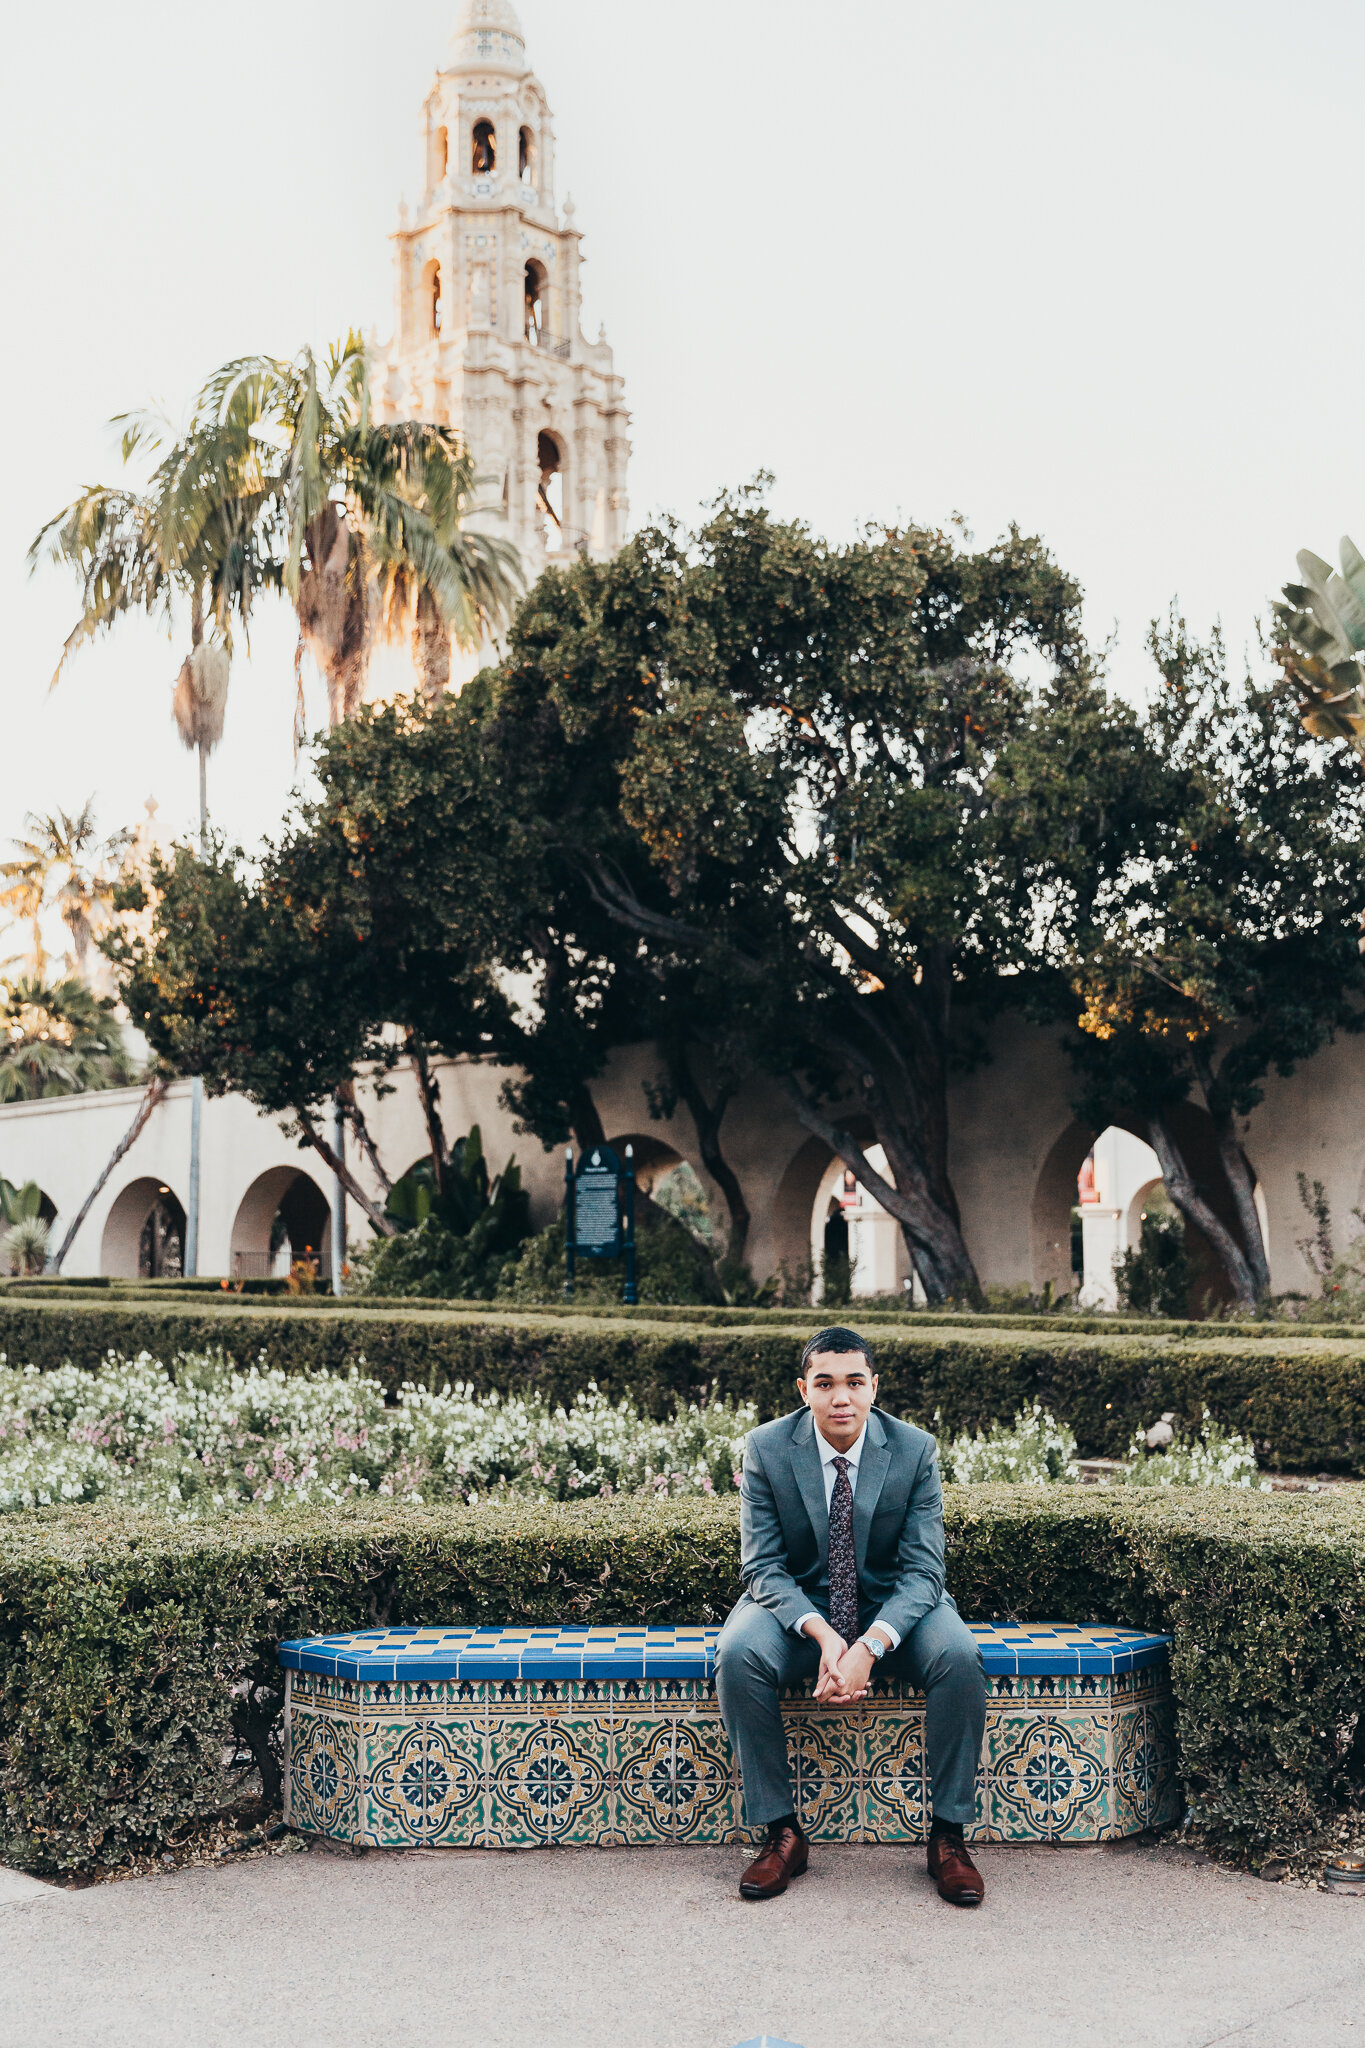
point(520, 1738)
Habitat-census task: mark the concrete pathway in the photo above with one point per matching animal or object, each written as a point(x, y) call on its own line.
point(652, 1949)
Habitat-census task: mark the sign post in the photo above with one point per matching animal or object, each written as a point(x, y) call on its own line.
point(599, 1213)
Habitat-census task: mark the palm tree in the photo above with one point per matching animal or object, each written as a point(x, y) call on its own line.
point(373, 521)
point(66, 862)
point(24, 895)
point(1321, 624)
point(58, 1038)
point(203, 532)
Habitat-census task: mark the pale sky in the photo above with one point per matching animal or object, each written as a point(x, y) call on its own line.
point(1090, 267)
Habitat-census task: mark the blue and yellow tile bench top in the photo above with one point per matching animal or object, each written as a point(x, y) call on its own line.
point(393, 1654)
point(522, 1737)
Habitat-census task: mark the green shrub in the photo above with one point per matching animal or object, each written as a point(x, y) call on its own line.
point(1153, 1277)
point(1300, 1400)
point(454, 1242)
point(133, 1649)
point(670, 1267)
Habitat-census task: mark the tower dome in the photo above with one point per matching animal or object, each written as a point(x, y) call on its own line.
point(487, 32)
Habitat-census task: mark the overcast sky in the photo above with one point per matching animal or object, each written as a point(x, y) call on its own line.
point(1088, 266)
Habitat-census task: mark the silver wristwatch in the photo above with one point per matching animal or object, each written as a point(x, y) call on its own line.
point(876, 1644)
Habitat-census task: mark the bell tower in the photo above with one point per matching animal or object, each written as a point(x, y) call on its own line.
point(486, 307)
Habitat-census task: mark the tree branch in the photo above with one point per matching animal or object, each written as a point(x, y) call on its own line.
point(356, 1117)
point(155, 1091)
point(1196, 1210)
point(383, 1225)
point(428, 1091)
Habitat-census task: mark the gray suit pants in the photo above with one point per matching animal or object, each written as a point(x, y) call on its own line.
point(757, 1657)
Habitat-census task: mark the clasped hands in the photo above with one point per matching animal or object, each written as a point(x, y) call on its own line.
point(845, 1668)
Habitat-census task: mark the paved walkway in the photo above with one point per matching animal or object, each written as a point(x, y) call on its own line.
point(652, 1949)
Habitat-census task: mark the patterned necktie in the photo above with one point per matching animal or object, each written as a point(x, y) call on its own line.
point(843, 1562)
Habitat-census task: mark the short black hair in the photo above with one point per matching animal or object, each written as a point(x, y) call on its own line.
point(836, 1338)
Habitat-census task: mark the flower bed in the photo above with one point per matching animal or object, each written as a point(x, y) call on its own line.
point(200, 1438)
point(204, 1439)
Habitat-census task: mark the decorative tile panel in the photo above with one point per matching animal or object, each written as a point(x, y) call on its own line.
point(521, 1737)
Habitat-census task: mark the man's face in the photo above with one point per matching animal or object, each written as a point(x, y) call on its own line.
point(839, 1389)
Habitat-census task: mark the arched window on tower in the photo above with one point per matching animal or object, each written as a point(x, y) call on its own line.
point(431, 298)
point(526, 157)
point(442, 154)
point(484, 156)
point(537, 303)
point(550, 496)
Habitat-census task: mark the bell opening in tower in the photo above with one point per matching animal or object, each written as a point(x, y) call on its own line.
point(431, 291)
point(526, 157)
point(550, 496)
point(484, 157)
point(537, 324)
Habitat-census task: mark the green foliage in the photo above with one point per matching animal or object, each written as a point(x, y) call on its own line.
point(457, 1240)
point(1300, 1399)
point(58, 1038)
point(1154, 1275)
point(1321, 631)
point(20, 1205)
point(763, 771)
point(668, 1268)
point(1225, 946)
point(24, 1245)
point(681, 1195)
point(135, 1650)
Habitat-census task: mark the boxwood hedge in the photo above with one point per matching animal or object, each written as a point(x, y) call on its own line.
point(1301, 1399)
point(132, 1651)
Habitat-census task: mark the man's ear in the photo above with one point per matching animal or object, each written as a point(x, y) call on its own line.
point(873, 1378)
point(801, 1390)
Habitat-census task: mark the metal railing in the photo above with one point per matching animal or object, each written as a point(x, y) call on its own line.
point(549, 343)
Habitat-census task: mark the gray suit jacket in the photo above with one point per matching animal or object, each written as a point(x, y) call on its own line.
point(897, 1521)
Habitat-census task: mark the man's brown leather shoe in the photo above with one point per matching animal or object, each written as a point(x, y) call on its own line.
point(771, 1872)
point(953, 1871)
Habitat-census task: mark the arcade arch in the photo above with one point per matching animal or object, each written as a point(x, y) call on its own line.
point(1091, 1194)
point(283, 1216)
point(851, 1234)
point(144, 1233)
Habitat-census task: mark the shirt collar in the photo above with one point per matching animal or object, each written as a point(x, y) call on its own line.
point(828, 1453)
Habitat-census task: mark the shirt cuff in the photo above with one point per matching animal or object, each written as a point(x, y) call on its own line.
point(800, 1626)
point(885, 1628)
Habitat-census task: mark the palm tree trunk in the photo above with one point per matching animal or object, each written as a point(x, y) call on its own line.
point(155, 1091)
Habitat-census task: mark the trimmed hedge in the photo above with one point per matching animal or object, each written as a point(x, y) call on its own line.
point(213, 1294)
point(133, 1650)
point(1301, 1400)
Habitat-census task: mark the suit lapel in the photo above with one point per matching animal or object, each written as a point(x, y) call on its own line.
point(811, 1480)
point(872, 1469)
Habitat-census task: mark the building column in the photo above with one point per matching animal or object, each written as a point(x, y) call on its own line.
point(1102, 1237)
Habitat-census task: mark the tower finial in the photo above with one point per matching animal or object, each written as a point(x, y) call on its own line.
point(488, 32)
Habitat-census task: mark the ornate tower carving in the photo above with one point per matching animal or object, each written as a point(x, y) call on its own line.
point(486, 306)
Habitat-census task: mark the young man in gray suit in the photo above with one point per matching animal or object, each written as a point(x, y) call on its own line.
point(841, 1554)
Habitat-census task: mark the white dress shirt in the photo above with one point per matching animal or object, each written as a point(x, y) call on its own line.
point(828, 1453)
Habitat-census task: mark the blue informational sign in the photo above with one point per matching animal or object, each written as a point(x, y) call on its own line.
point(599, 1213)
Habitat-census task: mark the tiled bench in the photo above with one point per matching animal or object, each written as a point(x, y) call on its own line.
point(514, 1738)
